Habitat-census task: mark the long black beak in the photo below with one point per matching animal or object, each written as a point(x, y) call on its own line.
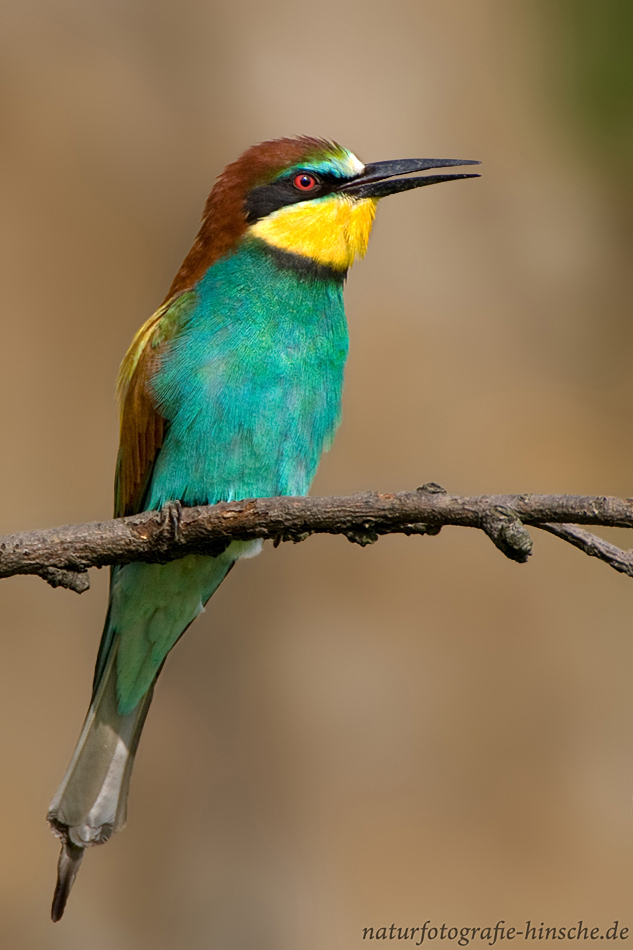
point(377, 180)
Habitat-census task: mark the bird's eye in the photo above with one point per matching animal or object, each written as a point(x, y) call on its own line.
point(304, 182)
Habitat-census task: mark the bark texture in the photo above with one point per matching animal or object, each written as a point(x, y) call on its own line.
point(62, 556)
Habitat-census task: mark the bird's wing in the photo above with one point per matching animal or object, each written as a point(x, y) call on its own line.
point(142, 427)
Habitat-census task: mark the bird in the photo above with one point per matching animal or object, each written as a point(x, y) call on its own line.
point(231, 390)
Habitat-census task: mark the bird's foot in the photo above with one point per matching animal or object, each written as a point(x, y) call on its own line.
point(171, 514)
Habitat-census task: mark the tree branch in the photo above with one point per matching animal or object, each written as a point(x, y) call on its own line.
point(594, 546)
point(61, 556)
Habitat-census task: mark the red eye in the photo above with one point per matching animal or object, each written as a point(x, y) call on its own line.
point(304, 182)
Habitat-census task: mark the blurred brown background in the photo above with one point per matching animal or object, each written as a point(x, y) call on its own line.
point(418, 730)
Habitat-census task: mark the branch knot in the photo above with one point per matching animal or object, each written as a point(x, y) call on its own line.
point(506, 530)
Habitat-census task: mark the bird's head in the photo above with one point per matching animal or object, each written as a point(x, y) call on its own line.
point(305, 196)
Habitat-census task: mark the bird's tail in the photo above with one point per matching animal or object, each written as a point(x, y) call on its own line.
point(91, 802)
point(153, 604)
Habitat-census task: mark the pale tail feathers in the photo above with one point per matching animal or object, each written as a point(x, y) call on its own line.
point(91, 802)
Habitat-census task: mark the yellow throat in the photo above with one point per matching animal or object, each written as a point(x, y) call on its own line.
point(332, 231)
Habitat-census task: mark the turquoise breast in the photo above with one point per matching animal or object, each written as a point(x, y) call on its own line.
point(251, 386)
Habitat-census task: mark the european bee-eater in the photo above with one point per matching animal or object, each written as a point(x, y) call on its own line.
point(231, 390)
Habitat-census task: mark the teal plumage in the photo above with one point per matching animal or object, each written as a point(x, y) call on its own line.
point(251, 389)
point(232, 390)
point(251, 385)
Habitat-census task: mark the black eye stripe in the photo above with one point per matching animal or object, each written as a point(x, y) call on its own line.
point(262, 201)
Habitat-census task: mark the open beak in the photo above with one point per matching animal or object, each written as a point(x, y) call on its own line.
point(378, 181)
